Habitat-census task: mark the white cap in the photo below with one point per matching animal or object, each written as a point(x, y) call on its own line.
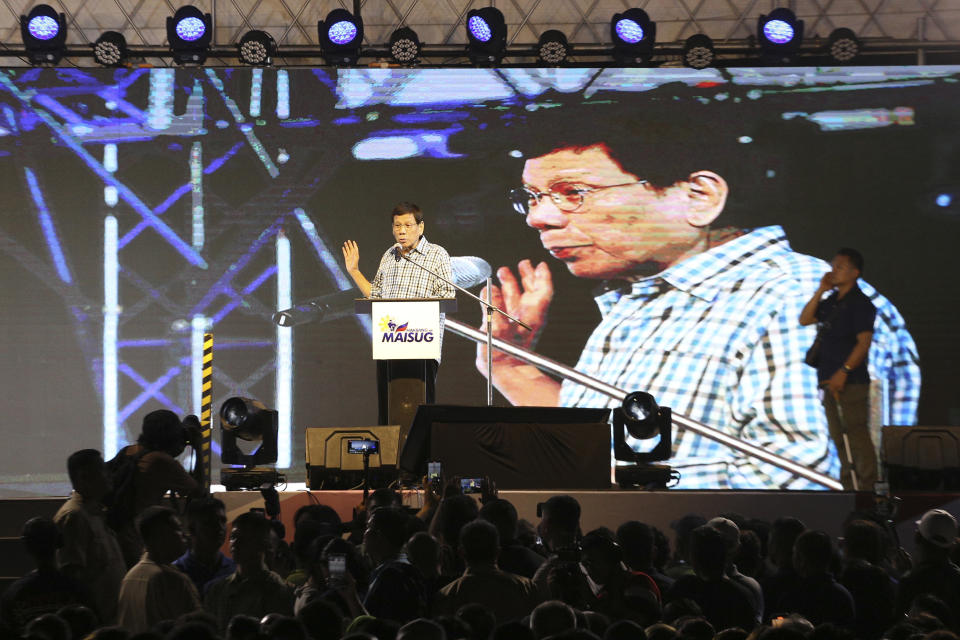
point(938, 527)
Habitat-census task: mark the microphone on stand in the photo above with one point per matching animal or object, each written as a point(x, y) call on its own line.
point(468, 271)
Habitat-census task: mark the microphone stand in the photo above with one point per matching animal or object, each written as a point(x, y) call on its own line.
point(488, 307)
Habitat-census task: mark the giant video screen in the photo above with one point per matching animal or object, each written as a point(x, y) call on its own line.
point(660, 229)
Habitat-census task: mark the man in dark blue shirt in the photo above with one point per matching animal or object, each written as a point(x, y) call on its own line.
point(846, 329)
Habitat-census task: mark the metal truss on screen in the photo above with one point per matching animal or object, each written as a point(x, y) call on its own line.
point(886, 27)
point(169, 278)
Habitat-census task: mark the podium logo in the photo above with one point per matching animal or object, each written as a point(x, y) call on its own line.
point(394, 331)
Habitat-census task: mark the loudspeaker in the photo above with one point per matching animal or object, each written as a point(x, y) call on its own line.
point(330, 466)
point(922, 458)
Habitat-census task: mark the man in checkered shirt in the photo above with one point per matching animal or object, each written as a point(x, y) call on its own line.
point(701, 316)
point(399, 278)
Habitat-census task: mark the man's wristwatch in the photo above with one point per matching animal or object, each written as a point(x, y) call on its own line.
point(846, 369)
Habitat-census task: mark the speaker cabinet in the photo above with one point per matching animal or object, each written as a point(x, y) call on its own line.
point(922, 458)
point(331, 466)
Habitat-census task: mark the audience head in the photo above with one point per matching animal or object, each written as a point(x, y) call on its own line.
point(863, 540)
point(48, 626)
point(731, 535)
point(386, 533)
point(207, 524)
point(421, 629)
point(503, 515)
point(88, 474)
point(783, 534)
point(249, 539)
point(708, 552)
point(560, 521)
point(383, 497)
point(513, 630)
point(192, 630)
point(695, 628)
point(660, 631)
point(41, 538)
point(683, 528)
point(813, 553)
point(749, 558)
point(163, 537)
point(452, 514)
point(320, 513)
point(623, 630)
point(930, 604)
point(243, 627)
point(162, 430)
point(552, 617)
point(321, 619)
point(423, 552)
point(81, 620)
point(936, 533)
point(479, 543)
point(637, 541)
point(279, 627)
point(600, 555)
point(481, 620)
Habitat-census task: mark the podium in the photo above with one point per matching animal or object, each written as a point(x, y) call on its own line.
point(405, 342)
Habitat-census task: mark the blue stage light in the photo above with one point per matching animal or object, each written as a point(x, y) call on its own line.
point(341, 35)
point(944, 200)
point(479, 29)
point(779, 35)
point(191, 29)
point(44, 33)
point(43, 27)
point(189, 33)
point(778, 31)
point(629, 31)
point(342, 32)
point(486, 36)
point(634, 35)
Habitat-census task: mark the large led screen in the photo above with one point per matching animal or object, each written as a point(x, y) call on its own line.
point(673, 224)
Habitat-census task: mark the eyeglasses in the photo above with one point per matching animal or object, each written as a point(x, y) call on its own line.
point(408, 227)
point(568, 196)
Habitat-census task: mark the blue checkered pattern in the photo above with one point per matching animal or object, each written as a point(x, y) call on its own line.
point(717, 339)
point(404, 280)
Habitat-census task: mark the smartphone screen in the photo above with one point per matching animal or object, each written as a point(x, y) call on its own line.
point(433, 471)
point(471, 485)
point(336, 567)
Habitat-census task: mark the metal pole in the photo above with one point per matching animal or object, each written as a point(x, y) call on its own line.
point(206, 403)
point(489, 309)
point(556, 368)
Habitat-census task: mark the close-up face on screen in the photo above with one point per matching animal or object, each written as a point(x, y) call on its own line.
point(666, 228)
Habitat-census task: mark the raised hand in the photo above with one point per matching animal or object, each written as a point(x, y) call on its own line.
point(351, 255)
point(527, 299)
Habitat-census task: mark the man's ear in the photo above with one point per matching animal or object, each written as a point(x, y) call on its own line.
point(707, 192)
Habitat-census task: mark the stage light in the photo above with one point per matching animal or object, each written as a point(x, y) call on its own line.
point(698, 52)
point(405, 45)
point(640, 418)
point(633, 35)
point(110, 49)
point(843, 45)
point(340, 37)
point(44, 33)
point(553, 47)
point(251, 421)
point(257, 48)
point(486, 36)
point(780, 34)
point(189, 33)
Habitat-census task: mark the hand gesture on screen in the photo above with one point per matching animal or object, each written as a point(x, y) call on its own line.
point(527, 299)
point(351, 255)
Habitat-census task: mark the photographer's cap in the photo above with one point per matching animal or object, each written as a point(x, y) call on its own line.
point(938, 527)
